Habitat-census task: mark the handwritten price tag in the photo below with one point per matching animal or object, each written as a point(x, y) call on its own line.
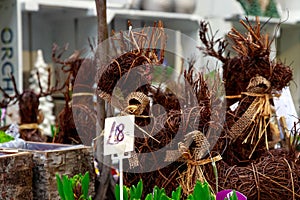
point(119, 135)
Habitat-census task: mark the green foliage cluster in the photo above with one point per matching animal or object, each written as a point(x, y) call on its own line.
point(4, 137)
point(252, 7)
point(75, 188)
point(54, 130)
point(201, 191)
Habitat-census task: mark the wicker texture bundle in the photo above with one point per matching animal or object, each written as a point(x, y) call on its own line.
point(274, 176)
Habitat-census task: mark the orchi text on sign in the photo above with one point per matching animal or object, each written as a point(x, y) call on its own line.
point(7, 54)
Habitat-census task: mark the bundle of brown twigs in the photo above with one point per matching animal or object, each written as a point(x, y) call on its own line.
point(275, 175)
point(251, 79)
point(170, 117)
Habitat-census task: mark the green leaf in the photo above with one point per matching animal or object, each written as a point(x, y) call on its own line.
point(85, 181)
point(117, 192)
point(75, 179)
point(149, 197)
point(177, 193)
point(136, 191)
point(125, 193)
point(198, 190)
point(132, 192)
point(158, 193)
point(54, 130)
point(60, 187)
point(139, 189)
point(164, 197)
point(207, 190)
point(68, 191)
point(201, 191)
point(255, 9)
point(190, 197)
point(4, 137)
point(271, 10)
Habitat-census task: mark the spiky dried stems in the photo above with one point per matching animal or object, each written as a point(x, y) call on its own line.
point(70, 66)
point(78, 98)
point(252, 57)
point(7, 99)
point(213, 46)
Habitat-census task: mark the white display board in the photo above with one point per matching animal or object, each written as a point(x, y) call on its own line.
point(119, 135)
point(10, 44)
point(284, 106)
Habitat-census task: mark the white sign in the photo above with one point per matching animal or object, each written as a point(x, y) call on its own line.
point(10, 45)
point(284, 106)
point(119, 135)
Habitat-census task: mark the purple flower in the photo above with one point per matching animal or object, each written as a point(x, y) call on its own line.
point(227, 193)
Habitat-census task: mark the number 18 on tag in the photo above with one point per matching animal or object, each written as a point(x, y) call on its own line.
point(119, 135)
point(119, 139)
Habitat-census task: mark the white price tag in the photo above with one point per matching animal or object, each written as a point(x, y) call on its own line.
point(119, 135)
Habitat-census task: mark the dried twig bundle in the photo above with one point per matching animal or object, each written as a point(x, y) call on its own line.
point(274, 176)
point(171, 115)
point(77, 100)
point(252, 57)
point(250, 78)
point(132, 50)
point(176, 122)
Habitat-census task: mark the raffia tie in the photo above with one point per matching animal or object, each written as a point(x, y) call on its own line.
point(34, 126)
point(194, 160)
point(80, 94)
point(257, 113)
point(136, 103)
point(254, 110)
point(194, 172)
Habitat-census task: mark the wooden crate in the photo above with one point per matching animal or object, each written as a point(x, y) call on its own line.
point(15, 175)
point(50, 159)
